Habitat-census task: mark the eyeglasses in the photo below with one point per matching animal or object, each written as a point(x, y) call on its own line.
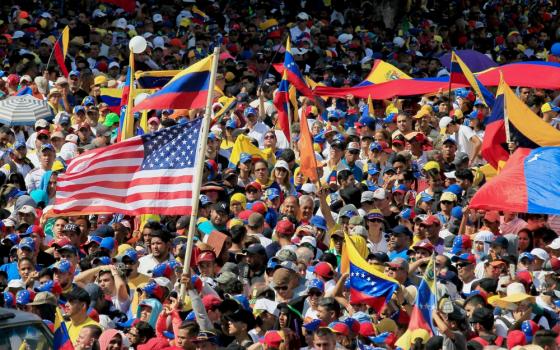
point(270, 137)
point(281, 288)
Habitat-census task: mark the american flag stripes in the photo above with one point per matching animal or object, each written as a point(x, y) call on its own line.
point(148, 174)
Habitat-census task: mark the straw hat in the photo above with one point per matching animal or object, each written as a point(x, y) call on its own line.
point(515, 293)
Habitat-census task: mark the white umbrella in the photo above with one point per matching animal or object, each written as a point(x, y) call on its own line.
point(23, 110)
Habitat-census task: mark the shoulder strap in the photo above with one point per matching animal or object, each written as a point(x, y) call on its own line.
point(481, 341)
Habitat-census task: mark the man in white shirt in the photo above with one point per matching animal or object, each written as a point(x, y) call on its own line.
point(255, 227)
point(300, 30)
point(160, 246)
point(467, 140)
point(256, 128)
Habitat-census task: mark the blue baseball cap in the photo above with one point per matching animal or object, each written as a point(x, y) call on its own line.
point(272, 264)
point(63, 266)
point(191, 316)
point(74, 73)
point(232, 124)
point(372, 186)
point(108, 243)
point(272, 193)
point(213, 136)
point(20, 144)
point(167, 111)
point(449, 139)
point(93, 239)
point(391, 118)
point(24, 297)
point(9, 299)
point(130, 254)
point(372, 169)
point(461, 92)
point(424, 197)
point(460, 242)
point(526, 255)
point(245, 157)
point(250, 110)
point(338, 138)
point(68, 248)
point(457, 212)
point(47, 146)
point(162, 270)
point(204, 200)
point(406, 214)
point(368, 122)
point(312, 325)
point(88, 101)
point(79, 109)
point(104, 231)
point(316, 284)
point(319, 138)
point(27, 243)
point(375, 146)
point(319, 222)
point(11, 238)
point(401, 230)
point(101, 261)
point(455, 189)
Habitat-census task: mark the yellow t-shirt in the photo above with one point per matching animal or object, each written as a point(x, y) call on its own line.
point(134, 283)
point(74, 330)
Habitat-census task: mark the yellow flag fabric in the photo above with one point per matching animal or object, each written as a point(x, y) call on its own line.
point(382, 72)
point(243, 145)
point(65, 40)
point(527, 122)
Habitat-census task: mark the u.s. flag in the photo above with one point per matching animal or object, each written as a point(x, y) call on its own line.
point(148, 174)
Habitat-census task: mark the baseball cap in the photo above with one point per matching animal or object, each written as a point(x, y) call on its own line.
point(460, 243)
point(162, 270)
point(540, 254)
point(555, 244)
point(324, 269)
point(35, 229)
point(500, 241)
point(285, 227)
point(426, 245)
point(444, 122)
point(319, 222)
point(401, 230)
point(68, 248)
point(43, 298)
point(466, 257)
point(549, 107)
point(27, 243)
point(108, 243)
point(63, 266)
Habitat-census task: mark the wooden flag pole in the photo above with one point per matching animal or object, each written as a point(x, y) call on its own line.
point(200, 167)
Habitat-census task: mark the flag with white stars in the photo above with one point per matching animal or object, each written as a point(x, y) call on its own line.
point(148, 174)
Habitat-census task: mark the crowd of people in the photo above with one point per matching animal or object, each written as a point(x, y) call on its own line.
point(266, 268)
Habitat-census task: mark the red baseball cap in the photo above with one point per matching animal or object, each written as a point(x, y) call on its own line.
point(431, 220)
point(211, 301)
point(272, 339)
point(259, 207)
point(366, 329)
point(285, 227)
point(61, 242)
point(254, 185)
point(206, 255)
point(244, 215)
point(424, 245)
point(324, 269)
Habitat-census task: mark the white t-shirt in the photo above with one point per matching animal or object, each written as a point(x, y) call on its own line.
point(463, 138)
point(258, 132)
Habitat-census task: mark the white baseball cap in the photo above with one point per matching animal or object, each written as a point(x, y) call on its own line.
point(540, 253)
point(444, 122)
point(157, 18)
point(554, 244)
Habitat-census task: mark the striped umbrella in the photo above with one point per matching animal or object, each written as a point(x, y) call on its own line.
point(23, 110)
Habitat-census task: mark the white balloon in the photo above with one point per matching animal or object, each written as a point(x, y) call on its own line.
point(140, 97)
point(137, 44)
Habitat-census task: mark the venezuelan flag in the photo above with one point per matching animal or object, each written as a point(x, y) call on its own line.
point(382, 72)
point(61, 49)
point(187, 90)
point(528, 183)
point(421, 316)
point(281, 102)
point(155, 79)
point(61, 336)
point(228, 103)
point(461, 74)
point(199, 16)
point(367, 284)
point(294, 75)
point(112, 97)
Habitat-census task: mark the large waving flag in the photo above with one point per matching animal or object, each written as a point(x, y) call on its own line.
point(382, 72)
point(528, 183)
point(421, 316)
point(461, 74)
point(308, 162)
point(155, 78)
point(367, 284)
point(294, 75)
point(187, 90)
point(243, 145)
point(494, 143)
point(61, 49)
point(113, 96)
point(148, 174)
point(282, 104)
point(526, 128)
point(61, 336)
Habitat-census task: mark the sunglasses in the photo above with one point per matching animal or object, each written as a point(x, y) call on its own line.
point(354, 152)
point(269, 137)
point(317, 294)
point(461, 266)
point(395, 269)
point(281, 288)
point(446, 202)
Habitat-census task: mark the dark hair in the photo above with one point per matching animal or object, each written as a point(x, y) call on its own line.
point(79, 294)
point(330, 258)
point(191, 327)
point(46, 311)
point(153, 225)
point(24, 259)
point(46, 272)
point(163, 235)
point(545, 337)
point(145, 330)
point(323, 332)
point(476, 300)
point(464, 174)
point(288, 155)
point(343, 175)
point(331, 304)
point(399, 158)
point(238, 233)
point(95, 330)
point(545, 234)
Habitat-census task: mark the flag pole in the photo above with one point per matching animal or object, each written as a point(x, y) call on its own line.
point(200, 167)
point(506, 119)
point(289, 110)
